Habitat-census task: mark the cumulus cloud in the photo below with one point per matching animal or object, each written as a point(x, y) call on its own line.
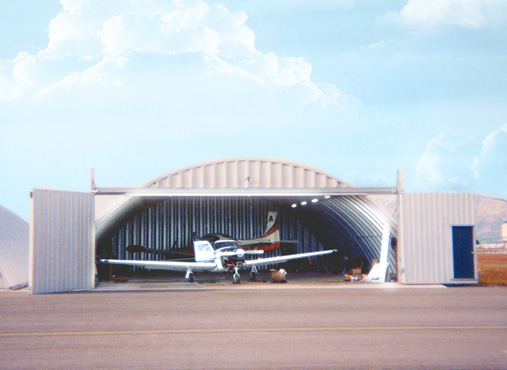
point(108, 44)
point(428, 14)
point(455, 162)
point(141, 80)
point(375, 46)
point(445, 164)
point(490, 166)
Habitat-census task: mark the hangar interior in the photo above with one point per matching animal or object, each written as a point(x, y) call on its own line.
point(316, 211)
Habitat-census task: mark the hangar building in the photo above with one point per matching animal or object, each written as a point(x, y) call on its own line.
point(316, 211)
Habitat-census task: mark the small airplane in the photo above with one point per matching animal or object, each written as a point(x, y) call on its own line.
point(227, 256)
point(267, 242)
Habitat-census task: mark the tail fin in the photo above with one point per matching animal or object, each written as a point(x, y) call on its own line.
point(271, 221)
point(269, 241)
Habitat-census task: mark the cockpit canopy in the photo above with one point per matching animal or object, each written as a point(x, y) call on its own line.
point(204, 252)
point(226, 245)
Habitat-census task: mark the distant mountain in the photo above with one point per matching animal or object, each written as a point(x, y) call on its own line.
point(490, 213)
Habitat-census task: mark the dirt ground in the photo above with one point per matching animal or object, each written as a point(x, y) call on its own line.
point(492, 268)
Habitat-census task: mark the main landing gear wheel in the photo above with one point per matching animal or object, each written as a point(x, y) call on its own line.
point(236, 279)
point(191, 278)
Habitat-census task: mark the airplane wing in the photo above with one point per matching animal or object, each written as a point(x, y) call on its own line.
point(165, 265)
point(280, 259)
point(171, 253)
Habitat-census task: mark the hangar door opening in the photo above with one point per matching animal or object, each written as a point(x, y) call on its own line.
point(463, 252)
point(233, 196)
point(151, 228)
point(162, 228)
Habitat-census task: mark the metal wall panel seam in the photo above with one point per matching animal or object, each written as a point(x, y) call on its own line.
point(439, 231)
point(438, 235)
point(407, 243)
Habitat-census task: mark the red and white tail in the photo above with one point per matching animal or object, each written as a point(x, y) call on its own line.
point(269, 241)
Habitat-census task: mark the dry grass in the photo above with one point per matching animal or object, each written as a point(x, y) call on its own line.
point(492, 269)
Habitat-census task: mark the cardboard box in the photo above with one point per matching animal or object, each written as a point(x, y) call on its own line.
point(278, 275)
point(355, 272)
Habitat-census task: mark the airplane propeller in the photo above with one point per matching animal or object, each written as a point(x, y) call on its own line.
point(241, 252)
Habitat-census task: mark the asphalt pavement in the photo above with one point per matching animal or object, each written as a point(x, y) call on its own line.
point(317, 324)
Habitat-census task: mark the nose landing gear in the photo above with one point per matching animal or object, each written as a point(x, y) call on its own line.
point(190, 276)
point(236, 278)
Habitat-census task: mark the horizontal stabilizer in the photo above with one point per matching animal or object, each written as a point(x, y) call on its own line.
point(136, 249)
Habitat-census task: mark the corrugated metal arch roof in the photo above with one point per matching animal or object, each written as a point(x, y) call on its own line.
point(14, 244)
point(248, 173)
point(235, 173)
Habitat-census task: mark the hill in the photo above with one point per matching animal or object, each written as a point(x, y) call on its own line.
point(490, 213)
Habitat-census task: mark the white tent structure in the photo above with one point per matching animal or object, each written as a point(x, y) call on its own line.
point(14, 242)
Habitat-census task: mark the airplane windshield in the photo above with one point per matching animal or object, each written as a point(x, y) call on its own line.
point(226, 245)
point(203, 247)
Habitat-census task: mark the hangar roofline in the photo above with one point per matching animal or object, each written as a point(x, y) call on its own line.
point(264, 192)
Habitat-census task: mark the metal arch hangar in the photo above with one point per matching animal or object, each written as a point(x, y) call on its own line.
point(232, 195)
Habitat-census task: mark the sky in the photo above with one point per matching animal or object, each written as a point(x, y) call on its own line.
point(358, 88)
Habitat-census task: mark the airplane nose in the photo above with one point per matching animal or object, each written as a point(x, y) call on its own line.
point(241, 253)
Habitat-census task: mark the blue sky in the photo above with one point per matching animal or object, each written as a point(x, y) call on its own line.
point(357, 88)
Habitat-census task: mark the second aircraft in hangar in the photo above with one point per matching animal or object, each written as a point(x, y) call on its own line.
point(220, 253)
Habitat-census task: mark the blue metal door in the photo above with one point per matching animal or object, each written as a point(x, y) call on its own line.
point(463, 250)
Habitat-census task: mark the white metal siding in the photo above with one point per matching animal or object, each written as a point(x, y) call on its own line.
point(427, 220)
point(62, 242)
point(14, 233)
